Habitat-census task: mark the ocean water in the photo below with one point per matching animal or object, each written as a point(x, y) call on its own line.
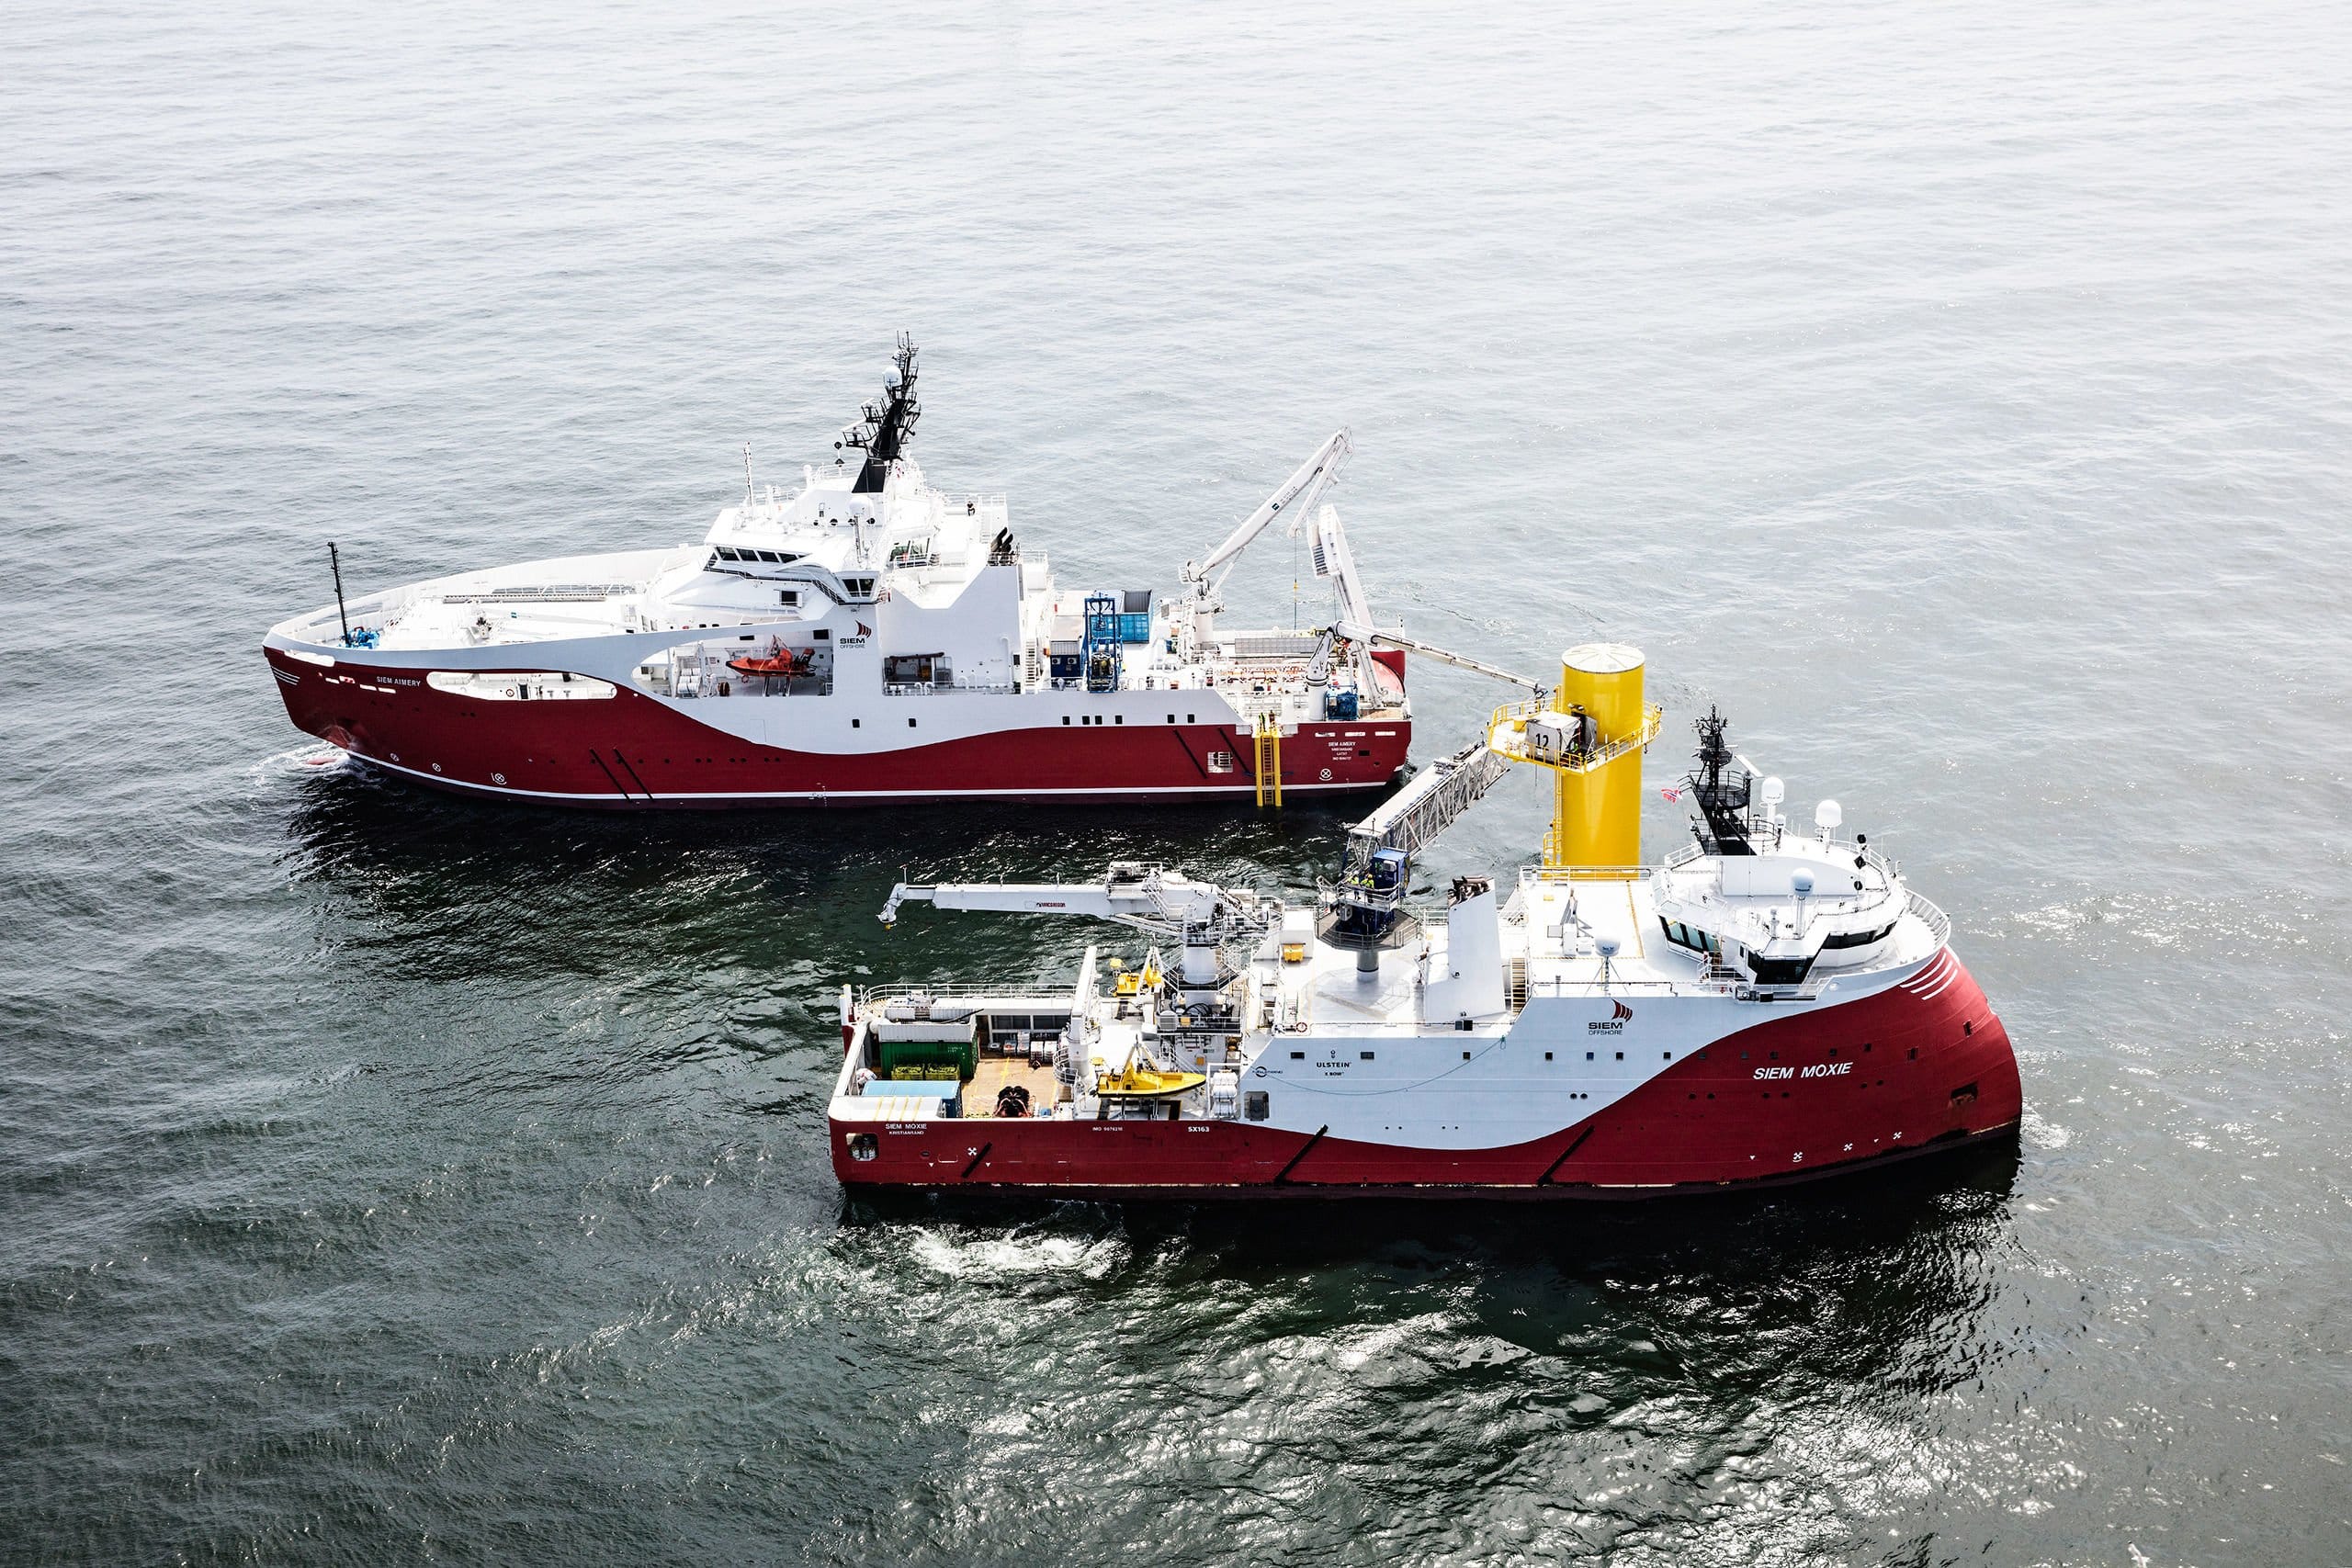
point(1956, 395)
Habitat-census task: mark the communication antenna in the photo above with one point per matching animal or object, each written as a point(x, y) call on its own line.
point(1607, 946)
point(747, 476)
point(334, 564)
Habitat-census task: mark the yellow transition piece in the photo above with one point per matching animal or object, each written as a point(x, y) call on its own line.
point(1597, 815)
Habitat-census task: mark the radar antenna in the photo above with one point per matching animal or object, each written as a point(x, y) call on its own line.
point(888, 425)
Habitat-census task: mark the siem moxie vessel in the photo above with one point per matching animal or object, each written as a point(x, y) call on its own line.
point(1766, 1004)
point(864, 639)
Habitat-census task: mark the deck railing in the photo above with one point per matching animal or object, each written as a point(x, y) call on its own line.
point(1513, 717)
point(1939, 924)
point(953, 688)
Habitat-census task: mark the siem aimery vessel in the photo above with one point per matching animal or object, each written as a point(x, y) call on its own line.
point(1766, 1004)
point(865, 639)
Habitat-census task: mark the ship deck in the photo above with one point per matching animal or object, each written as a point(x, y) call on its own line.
point(996, 1073)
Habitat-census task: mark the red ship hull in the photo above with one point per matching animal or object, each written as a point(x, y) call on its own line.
point(633, 753)
point(1925, 1073)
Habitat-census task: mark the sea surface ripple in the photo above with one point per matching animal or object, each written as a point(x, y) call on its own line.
point(1962, 396)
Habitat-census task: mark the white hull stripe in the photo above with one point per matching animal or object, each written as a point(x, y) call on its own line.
point(911, 790)
point(1932, 981)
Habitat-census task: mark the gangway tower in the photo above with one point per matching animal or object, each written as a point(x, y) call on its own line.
point(1589, 732)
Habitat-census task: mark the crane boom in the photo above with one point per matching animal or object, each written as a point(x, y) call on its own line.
point(1304, 488)
point(1165, 903)
point(1459, 660)
point(1335, 560)
point(1152, 899)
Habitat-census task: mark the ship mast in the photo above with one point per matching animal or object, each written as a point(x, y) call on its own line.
point(888, 425)
point(1721, 802)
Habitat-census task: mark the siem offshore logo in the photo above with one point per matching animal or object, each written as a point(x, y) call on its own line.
point(1614, 1023)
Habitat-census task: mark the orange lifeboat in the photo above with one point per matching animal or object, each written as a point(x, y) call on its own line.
point(781, 663)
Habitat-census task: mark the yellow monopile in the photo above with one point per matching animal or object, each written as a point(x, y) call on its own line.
point(1596, 809)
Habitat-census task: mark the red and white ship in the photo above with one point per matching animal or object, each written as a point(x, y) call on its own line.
point(865, 639)
point(1767, 1004)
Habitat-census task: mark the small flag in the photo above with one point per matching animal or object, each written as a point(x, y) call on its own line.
point(1671, 793)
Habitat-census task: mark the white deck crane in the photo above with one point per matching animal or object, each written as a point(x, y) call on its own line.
point(1334, 560)
point(1165, 903)
point(1459, 660)
point(1205, 916)
point(1297, 494)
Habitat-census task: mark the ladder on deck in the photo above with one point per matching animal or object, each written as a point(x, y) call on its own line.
point(1269, 759)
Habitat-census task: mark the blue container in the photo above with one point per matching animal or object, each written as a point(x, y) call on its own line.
point(1135, 629)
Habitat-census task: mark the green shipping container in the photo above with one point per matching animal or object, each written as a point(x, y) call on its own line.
point(964, 1056)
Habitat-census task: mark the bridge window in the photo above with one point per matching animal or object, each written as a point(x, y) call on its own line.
point(1779, 971)
point(1690, 937)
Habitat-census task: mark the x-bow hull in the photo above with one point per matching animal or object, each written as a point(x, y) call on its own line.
point(1919, 1065)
